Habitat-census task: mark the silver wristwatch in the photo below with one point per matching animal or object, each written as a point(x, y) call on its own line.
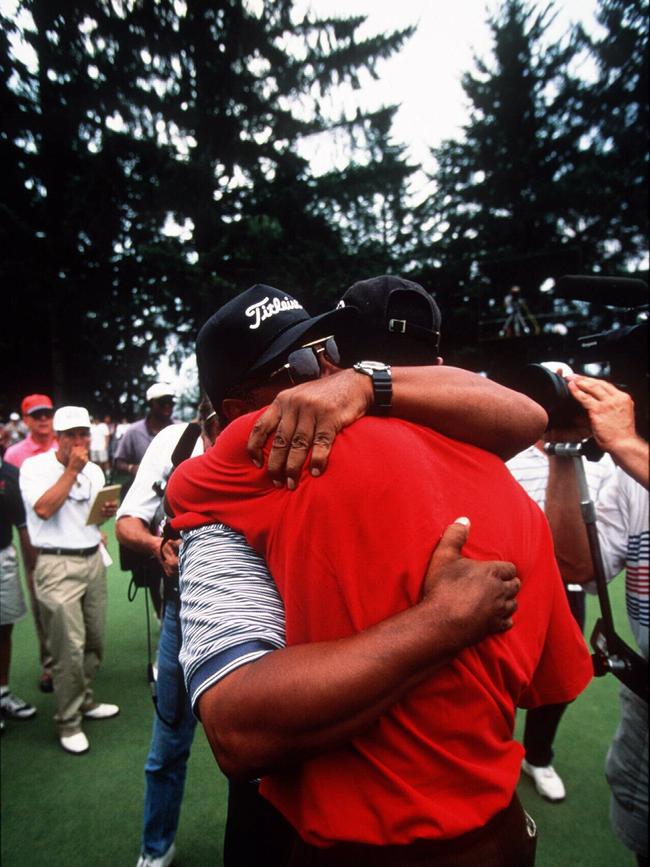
point(382, 385)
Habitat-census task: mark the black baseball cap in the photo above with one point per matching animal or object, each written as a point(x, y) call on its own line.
point(250, 334)
point(398, 322)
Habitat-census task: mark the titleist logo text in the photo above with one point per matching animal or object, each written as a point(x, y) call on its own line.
point(262, 310)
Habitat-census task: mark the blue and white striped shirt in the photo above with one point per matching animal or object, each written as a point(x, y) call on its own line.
point(231, 611)
point(623, 532)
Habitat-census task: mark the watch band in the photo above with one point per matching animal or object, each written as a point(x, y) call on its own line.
point(382, 385)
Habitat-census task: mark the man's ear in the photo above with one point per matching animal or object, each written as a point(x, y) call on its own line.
point(233, 407)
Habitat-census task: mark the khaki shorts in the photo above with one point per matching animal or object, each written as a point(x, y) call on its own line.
point(12, 601)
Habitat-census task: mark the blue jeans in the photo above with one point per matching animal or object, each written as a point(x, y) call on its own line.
point(166, 763)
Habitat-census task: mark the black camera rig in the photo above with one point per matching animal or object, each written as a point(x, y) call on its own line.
point(607, 324)
point(611, 653)
point(621, 352)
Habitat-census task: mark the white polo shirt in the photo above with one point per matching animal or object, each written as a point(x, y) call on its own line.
point(67, 527)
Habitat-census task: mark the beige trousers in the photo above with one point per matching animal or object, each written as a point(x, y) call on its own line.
point(72, 595)
point(43, 650)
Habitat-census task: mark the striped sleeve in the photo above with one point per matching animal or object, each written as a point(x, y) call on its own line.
point(636, 578)
point(231, 611)
point(623, 509)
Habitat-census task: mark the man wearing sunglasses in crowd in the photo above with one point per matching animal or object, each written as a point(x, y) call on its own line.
point(37, 411)
point(317, 696)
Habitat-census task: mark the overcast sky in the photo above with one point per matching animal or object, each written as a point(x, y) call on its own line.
point(424, 78)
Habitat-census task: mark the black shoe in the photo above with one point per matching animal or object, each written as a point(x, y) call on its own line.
point(45, 683)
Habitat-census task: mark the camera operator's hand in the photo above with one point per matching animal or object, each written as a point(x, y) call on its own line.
point(475, 597)
point(611, 413)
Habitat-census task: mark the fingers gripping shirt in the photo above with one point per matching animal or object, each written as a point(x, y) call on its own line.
point(231, 612)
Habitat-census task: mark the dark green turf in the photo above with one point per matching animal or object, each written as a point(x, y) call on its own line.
point(60, 810)
point(577, 832)
point(64, 811)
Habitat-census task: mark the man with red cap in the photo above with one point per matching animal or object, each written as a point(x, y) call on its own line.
point(38, 412)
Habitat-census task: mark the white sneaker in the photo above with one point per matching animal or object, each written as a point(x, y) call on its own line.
point(547, 781)
point(101, 711)
point(15, 708)
point(161, 861)
point(75, 744)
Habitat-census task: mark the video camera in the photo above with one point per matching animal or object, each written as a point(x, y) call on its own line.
point(618, 353)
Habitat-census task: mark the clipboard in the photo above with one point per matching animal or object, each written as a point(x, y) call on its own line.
point(110, 492)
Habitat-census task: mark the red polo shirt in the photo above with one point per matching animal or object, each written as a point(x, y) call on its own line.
point(349, 549)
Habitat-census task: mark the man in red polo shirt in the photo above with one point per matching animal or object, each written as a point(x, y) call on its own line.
point(348, 550)
point(38, 412)
point(434, 777)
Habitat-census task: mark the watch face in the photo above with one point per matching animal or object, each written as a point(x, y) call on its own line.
point(373, 365)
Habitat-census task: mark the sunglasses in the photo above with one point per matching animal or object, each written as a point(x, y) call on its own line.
point(41, 414)
point(303, 364)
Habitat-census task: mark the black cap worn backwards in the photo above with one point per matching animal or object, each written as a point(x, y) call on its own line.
point(251, 334)
point(398, 322)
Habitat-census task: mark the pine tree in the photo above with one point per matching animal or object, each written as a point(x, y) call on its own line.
point(246, 129)
point(370, 202)
point(138, 113)
point(615, 111)
point(517, 195)
point(499, 209)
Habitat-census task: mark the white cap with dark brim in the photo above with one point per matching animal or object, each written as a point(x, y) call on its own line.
point(70, 418)
point(160, 389)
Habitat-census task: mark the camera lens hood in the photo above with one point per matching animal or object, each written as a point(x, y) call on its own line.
point(549, 389)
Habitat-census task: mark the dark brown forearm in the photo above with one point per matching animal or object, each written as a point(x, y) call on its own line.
point(467, 407)
point(301, 700)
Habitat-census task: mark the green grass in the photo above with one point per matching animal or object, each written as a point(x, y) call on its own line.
point(63, 811)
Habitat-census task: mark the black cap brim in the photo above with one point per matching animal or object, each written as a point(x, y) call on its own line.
point(318, 326)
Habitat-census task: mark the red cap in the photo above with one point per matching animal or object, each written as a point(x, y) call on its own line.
point(34, 402)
